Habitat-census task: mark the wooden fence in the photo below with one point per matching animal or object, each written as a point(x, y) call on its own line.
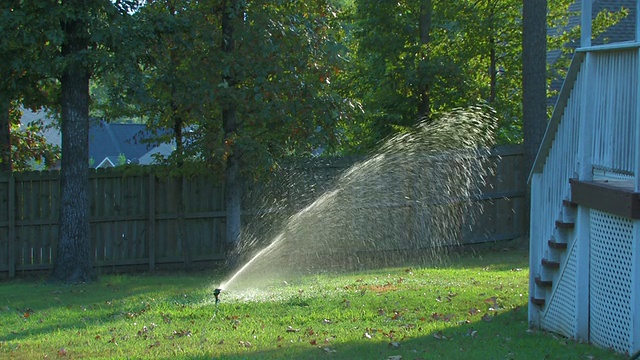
point(134, 218)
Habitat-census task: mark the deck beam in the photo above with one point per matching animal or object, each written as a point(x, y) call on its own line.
point(613, 196)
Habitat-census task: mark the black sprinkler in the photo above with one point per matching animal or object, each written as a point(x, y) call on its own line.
point(216, 293)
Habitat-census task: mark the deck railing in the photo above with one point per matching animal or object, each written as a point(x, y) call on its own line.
point(593, 135)
point(613, 81)
point(556, 163)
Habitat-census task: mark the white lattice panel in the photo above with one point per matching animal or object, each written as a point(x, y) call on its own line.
point(560, 315)
point(611, 280)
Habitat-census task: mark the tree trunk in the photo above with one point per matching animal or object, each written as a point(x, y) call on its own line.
point(233, 183)
point(493, 67)
point(426, 10)
point(534, 102)
point(73, 260)
point(5, 136)
point(182, 225)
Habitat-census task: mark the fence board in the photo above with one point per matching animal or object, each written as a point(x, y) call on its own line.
point(134, 218)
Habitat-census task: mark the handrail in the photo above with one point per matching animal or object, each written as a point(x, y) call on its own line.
point(623, 45)
point(558, 111)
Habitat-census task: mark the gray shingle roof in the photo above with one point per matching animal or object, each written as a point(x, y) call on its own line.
point(110, 140)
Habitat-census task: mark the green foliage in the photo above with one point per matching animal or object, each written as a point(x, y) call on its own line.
point(30, 148)
point(475, 308)
point(283, 65)
point(32, 61)
point(473, 56)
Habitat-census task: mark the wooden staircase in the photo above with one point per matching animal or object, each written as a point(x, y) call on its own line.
point(555, 254)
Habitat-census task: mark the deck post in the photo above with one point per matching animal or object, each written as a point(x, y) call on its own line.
point(534, 251)
point(635, 284)
point(637, 22)
point(634, 336)
point(585, 172)
point(585, 23)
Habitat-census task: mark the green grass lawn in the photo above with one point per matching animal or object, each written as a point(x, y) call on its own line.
point(475, 307)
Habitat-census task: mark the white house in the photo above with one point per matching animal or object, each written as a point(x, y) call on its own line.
point(585, 200)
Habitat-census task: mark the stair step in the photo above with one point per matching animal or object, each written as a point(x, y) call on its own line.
point(550, 264)
point(537, 301)
point(569, 203)
point(564, 225)
point(545, 283)
point(557, 245)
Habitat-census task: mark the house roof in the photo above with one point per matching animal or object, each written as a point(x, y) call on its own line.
point(624, 30)
point(109, 141)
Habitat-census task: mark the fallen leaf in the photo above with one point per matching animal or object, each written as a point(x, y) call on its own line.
point(394, 344)
point(492, 300)
point(62, 352)
point(244, 343)
point(155, 344)
point(180, 333)
point(440, 336)
point(473, 311)
point(279, 338)
point(367, 335)
point(291, 329)
point(313, 342)
point(487, 318)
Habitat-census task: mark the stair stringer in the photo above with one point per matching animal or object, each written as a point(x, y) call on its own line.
point(560, 314)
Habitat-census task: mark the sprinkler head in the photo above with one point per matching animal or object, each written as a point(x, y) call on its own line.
point(216, 293)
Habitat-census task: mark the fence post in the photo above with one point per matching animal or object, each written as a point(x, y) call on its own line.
point(151, 223)
point(12, 226)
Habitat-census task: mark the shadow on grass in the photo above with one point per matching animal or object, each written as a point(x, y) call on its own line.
point(32, 307)
point(503, 336)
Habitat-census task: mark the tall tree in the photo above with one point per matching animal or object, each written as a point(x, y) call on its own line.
point(88, 30)
point(27, 49)
point(232, 16)
point(534, 80)
point(73, 262)
point(251, 83)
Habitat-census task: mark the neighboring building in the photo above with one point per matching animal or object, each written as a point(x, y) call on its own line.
point(110, 145)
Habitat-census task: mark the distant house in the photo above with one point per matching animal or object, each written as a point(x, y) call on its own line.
point(110, 145)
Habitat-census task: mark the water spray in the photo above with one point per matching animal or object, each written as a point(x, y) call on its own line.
point(411, 199)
